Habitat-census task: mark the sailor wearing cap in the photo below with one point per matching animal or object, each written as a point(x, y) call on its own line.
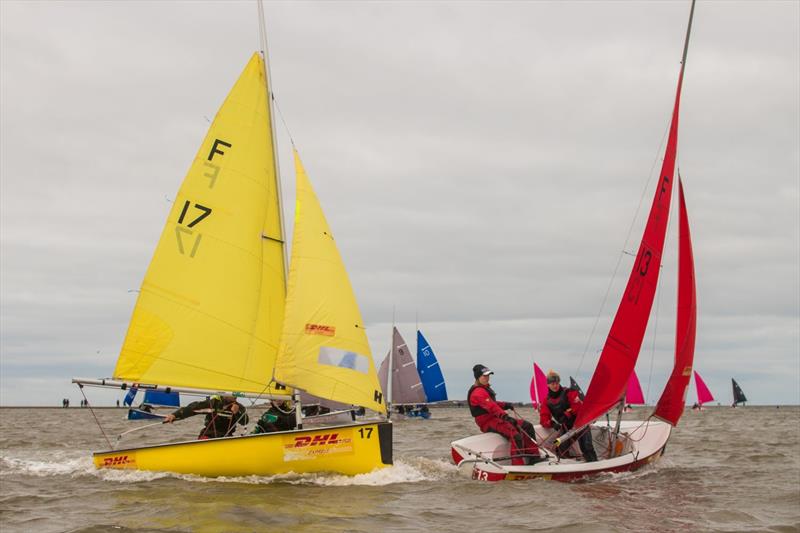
point(490, 415)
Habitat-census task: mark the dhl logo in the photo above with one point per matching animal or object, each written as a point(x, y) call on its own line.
point(117, 460)
point(320, 329)
point(317, 440)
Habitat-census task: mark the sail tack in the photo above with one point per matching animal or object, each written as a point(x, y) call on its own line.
point(670, 404)
point(324, 348)
point(210, 308)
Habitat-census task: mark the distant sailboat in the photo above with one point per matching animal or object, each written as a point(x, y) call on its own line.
point(703, 394)
point(538, 387)
point(430, 372)
point(404, 388)
point(573, 384)
point(633, 392)
point(153, 400)
point(738, 394)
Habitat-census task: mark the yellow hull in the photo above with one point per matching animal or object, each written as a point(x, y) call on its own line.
point(351, 449)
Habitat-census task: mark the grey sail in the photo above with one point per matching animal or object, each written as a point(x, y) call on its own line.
point(406, 387)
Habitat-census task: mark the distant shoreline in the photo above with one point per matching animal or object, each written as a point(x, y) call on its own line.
point(688, 407)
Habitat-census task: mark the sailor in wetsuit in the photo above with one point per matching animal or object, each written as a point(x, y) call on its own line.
point(559, 412)
point(222, 415)
point(490, 415)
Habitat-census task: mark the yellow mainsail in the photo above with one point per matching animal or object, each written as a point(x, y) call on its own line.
point(210, 310)
point(324, 348)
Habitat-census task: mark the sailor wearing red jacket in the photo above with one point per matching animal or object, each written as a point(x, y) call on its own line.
point(490, 415)
point(559, 412)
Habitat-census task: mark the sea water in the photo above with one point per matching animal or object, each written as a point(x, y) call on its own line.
point(724, 470)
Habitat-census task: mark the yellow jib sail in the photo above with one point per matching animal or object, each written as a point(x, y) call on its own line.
point(210, 310)
point(324, 347)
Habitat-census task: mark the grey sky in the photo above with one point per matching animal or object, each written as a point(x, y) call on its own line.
point(481, 164)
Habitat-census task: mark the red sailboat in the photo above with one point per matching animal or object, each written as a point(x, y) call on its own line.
point(633, 393)
point(538, 388)
point(703, 394)
point(625, 445)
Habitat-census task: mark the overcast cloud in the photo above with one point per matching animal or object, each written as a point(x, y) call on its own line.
point(480, 163)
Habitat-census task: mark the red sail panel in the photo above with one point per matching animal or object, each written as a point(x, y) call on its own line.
point(627, 331)
point(634, 394)
point(670, 405)
point(703, 394)
point(534, 397)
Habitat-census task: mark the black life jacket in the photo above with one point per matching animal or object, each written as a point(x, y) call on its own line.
point(478, 411)
point(558, 404)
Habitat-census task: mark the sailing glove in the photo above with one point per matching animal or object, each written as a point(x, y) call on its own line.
point(556, 425)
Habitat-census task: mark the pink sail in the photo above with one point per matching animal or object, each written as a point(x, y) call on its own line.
point(541, 383)
point(703, 394)
point(624, 340)
point(534, 396)
point(670, 405)
point(634, 395)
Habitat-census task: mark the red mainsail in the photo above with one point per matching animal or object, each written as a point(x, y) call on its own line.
point(670, 405)
point(627, 331)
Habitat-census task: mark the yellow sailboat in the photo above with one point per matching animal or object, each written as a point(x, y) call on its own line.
point(216, 313)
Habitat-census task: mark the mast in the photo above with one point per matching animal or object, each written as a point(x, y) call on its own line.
point(624, 340)
point(262, 32)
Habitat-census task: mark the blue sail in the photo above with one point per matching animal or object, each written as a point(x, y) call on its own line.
point(153, 399)
point(430, 373)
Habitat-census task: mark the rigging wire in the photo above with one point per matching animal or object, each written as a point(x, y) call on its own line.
point(80, 387)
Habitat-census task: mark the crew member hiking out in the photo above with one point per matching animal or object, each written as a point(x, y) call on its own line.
point(559, 412)
point(490, 416)
point(222, 415)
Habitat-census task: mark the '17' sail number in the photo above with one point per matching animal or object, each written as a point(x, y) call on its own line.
point(190, 223)
point(365, 433)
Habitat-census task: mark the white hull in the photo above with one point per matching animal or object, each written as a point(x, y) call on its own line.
point(639, 443)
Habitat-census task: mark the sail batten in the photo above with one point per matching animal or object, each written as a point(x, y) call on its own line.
point(210, 308)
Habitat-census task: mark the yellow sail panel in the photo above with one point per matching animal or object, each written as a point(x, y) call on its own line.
point(210, 310)
point(324, 347)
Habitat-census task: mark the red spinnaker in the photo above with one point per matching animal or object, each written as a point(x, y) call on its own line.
point(634, 394)
point(627, 331)
point(670, 405)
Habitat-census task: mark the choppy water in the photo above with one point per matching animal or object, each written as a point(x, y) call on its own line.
point(725, 470)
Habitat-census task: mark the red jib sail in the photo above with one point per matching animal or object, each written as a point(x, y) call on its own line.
point(627, 331)
point(538, 387)
point(670, 405)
